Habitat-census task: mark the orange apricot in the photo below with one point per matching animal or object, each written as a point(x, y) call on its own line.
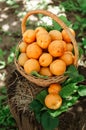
point(55, 35)
point(58, 67)
point(67, 57)
point(33, 51)
point(45, 59)
point(40, 30)
point(66, 36)
point(56, 48)
point(69, 47)
point(43, 40)
point(53, 101)
point(45, 71)
point(31, 65)
point(54, 88)
point(65, 46)
point(29, 36)
point(22, 47)
point(22, 59)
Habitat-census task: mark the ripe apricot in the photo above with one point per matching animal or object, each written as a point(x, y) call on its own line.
point(45, 59)
point(33, 51)
point(22, 47)
point(58, 67)
point(55, 35)
point(29, 36)
point(67, 57)
point(54, 88)
point(65, 46)
point(69, 47)
point(22, 59)
point(66, 36)
point(45, 71)
point(43, 40)
point(53, 101)
point(40, 30)
point(31, 65)
point(56, 48)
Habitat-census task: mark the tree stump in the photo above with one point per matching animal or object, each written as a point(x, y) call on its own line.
point(21, 92)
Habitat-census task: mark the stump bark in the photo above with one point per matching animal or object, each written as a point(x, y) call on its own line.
point(21, 92)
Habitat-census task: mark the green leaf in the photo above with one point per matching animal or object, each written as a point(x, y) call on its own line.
point(65, 105)
point(10, 58)
point(2, 64)
point(3, 97)
point(72, 99)
point(58, 112)
point(72, 68)
point(76, 25)
point(12, 54)
point(2, 53)
point(35, 73)
point(11, 2)
point(35, 106)
point(56, 26)
point(11, 121)
point(84, 43)
point(48, 122)
point(2, 120)
point(74, 76)
point(6, 110)
point(65, 20)
point(3, 90)
point(78, 18)
point(17, 52)
point(41, 96)
point(70, 5)
point(68, 90)
point(71, 71)
point(82, 4)
point(38, 117)
point(82, 90)
point(78, 78)
point(81, 51)
point(47, 27)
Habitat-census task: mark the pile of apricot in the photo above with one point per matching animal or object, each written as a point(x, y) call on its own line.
point(48, 53)
point(53, 100)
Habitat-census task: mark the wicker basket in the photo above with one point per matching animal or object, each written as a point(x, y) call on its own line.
point(53, 79)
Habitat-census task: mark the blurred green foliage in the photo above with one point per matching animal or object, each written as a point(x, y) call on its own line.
point(6, 120)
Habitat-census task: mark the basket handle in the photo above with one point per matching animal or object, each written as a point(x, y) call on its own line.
point(59, 21)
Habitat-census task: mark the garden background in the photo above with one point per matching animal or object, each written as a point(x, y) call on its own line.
point(73, 12)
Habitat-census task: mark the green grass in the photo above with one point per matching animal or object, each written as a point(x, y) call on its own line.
point(6, 119)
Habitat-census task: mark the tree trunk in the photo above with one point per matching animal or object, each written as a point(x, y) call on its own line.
point(21, 92)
